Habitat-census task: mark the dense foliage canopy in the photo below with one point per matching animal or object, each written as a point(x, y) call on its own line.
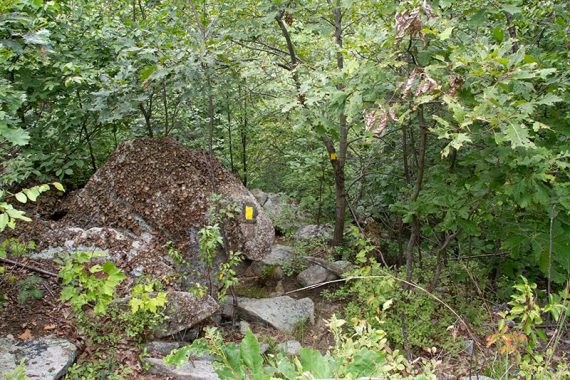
point(446, 121)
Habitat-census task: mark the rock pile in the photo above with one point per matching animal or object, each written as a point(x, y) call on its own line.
point(152, 191)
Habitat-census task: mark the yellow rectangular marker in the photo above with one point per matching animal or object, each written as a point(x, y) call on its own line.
point(333, 156)
point(248, 213)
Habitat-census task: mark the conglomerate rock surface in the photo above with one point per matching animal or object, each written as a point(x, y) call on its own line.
point(160, 187)
point(151, 193)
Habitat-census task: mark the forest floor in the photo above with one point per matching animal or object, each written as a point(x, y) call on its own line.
point(47, 315)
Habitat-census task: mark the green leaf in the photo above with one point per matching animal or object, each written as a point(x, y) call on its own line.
point(16, 136)
point(319, 366)
point(498, 34)
point(249, 349)
point(446, 34)
point(146, 72)
point(32, 193)
point(517, 135)
point(59, 186)
point(67, 293)
point(549, 99)
point(3, 221)
point(233, 356)
point(178, 357)
point(135, 304)
point(512, 9)
point(364, 363)
point(21, 197)
point(100, 308)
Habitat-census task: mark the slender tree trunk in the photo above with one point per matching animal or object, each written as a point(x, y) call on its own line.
point(321, 185)
point(230, 139)
point(165, 105)
point(211, 113)
point(339, 163)
point(405, 153)
point(415, 230)
point(243, 135)
point(143, 14)
point(441, 252)
point(148, 115)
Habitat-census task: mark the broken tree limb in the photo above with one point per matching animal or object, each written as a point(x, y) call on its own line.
point(334, 268)
point(29, 267)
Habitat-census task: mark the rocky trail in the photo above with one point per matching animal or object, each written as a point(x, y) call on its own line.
point(153, 194)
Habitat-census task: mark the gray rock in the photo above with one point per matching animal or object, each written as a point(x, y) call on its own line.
point(278, 255)
point(183, 311)
point(192, 370)
point(160, 187)
point(290, 347)
point(476, 377)
point(260, 196)
point(338, 268)
point(315, 274)
point(47, 358)
point(314, 231)
point(274, 205)
point(284, 313)
point(341, 266)
point(162, 348)
point(244, 327)
point(270, 265)
point(227, 308)
point(117, 246)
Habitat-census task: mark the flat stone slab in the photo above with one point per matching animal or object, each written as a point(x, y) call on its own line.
point(315, 274)
point(283, 313)
point(192, 370)
point(46, 358)
point(183, 311)
point(279, 254)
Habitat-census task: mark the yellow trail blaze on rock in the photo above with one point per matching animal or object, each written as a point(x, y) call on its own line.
point(248, 213)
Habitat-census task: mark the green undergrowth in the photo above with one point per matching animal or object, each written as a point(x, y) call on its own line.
point(361, 353)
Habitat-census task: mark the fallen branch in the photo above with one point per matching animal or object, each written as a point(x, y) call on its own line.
point(331, 267)
point(28, 267)
point(436, 298)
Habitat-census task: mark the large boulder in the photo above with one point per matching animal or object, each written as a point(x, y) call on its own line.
point(159, 187)
point(46, 358)
point(283, 313)
point(184, 311)
point(152, 194)
point(315, 274)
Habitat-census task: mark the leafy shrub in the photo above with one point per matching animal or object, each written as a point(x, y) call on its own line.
point(99, 369)
point(377, 292)
point(364, 353)
point(524, 334)
point(28, 289)
point(86, 282)
point(144, 299)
